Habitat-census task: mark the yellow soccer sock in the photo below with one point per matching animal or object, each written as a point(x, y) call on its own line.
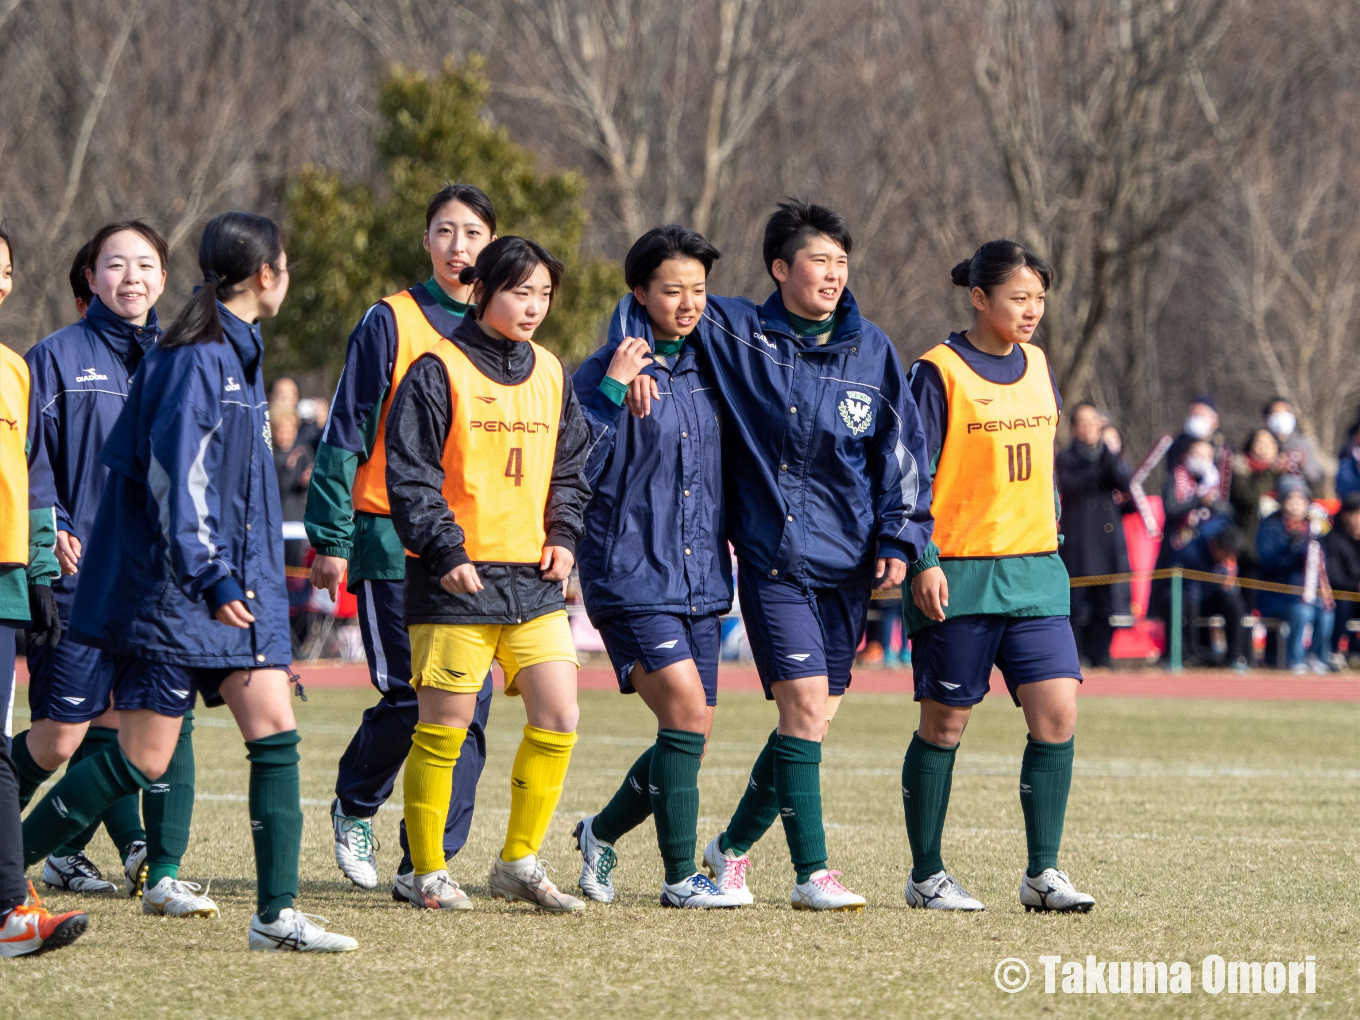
point(426, 790)
point(535, 788)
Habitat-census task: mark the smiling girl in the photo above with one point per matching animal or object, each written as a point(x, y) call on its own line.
point(1001, 597)
point(486, 446)
point(349, 524)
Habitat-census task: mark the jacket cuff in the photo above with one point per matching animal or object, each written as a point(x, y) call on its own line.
point(562, 538)
point(224, 591)
point(891, 549)
point(602, 407)
point(929, 558)
point(613, 390)
point(447, 560)
point(342, 549)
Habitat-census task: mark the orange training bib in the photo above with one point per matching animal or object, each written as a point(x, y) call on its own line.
point(498, 458)
point(13, 458)
point(415, 336)
point(992, 494)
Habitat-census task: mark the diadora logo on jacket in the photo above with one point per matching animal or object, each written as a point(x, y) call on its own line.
point(1005, 424)
point(530, 427)
point(91, 375)
point(855, 408)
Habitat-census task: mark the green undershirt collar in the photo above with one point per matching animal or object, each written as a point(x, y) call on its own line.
point(442, 298)
point(818, 330)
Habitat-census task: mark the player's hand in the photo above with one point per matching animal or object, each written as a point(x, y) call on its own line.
point(890, 572)
point(68, 552)
point(630, 358)
point(641, 392)
point(234, 614)
point(327, 573)
point(461, 580)
point(556, 563)
point(930, 593)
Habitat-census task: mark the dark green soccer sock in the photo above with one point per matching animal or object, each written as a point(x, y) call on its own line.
point(1045, 779)
point(758, 807)
point(123, 818)
point(169, 809)
point(674, 783)
point(275, 821)
point(77, 843)
point(630, 805)
point(31, 774)
point(798, 788)
point(927, 775)
point(82, 795)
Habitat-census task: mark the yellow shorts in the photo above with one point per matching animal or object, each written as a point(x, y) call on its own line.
point(455, 656)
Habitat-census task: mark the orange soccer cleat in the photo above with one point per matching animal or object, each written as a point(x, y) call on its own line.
point(31, 928)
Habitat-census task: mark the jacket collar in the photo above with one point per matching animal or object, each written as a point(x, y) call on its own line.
point(243, 336)
point(126, 339)
point(774, 318)
point(636, 322)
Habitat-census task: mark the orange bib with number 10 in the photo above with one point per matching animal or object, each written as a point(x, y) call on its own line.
point(498, 458)
point(992, 494)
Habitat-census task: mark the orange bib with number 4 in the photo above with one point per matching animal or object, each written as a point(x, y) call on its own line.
point(498, 458)
point(992, 494)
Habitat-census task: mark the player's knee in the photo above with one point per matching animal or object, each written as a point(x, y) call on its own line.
point(54, 744)
point(152, 763)
point(557, 718)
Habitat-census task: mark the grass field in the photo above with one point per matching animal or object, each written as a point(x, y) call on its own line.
point(1201, 827)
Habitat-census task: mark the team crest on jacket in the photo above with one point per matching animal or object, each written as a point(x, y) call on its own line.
point(855, 408)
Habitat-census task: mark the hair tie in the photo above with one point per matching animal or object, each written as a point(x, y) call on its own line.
point(212, 279)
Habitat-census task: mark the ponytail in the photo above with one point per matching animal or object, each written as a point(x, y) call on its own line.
point(996, 262)
point(234, 247)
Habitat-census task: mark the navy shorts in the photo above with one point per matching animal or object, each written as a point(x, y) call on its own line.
point(952, 661)
point(167, 688)
point(658, 640)
point(796, 632)
point(70, 683)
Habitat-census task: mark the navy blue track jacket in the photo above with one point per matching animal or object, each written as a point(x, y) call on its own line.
point(79, 382)
point(190, 518)
point(655, 539)
point(824, 454)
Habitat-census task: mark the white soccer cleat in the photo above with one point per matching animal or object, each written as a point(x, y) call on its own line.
point(597, 866)
point(172, 898)
point(1052, 890)
point(526, 880)
point(355, 847)
point(435, 891)
point(728, 871)
point(697, 893)
point(296, 932)
point(822, 891)
point(134, 867)
point(941, 891)
point(77, 874)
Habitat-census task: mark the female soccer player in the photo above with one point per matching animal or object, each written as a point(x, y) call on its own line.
point(27, 568)
point(188, 595)
point(80, 382)
point(825, 467)
point(486, 446)
point(653, 563)
point(348, 523)
point(999, 594)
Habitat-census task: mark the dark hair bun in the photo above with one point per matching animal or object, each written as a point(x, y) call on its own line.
point(467, 275)
point(959, 274)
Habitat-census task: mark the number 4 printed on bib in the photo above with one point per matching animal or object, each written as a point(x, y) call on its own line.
point(514, 466)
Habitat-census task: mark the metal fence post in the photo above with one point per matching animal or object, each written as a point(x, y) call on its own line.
point(1174, 638)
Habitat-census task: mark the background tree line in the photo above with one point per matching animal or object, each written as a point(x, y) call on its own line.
point(1190, 166)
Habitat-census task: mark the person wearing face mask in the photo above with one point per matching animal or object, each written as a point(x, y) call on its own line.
point(1286, 541)
point(486, 452)
point(1090, 474)
point(80, 380)
point(1201, 422)
point(1299, 450)
point(1348, 463)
